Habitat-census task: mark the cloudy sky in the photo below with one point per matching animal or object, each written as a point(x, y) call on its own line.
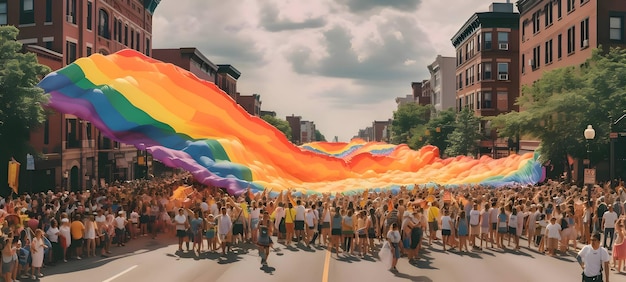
point(339, 63)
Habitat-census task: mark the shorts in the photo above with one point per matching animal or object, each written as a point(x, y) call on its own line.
point(396, 250)
point(494, 226)
point(433, 226)
point(484, 229)
point(446, 232)
point(144, 219)
point(474, 229)
point(553, 243)
point(299, 224)
point(238, 229)
point(77, 243)
point(7, 267)
point(335, 231)
point(502, 230)
point(181, 233)
point(210, 234)
point(512, 230)
point(348, 233)
point(325, 224)
point(254, 223)
point(406, 243)
point(289, 227)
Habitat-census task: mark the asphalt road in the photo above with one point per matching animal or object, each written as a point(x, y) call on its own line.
point(157, 260)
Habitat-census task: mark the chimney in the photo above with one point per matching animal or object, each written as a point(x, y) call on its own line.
point(501, 7)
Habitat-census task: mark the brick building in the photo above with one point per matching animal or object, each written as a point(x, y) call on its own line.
point(250, 103)
point(294, 123)
point(75, 154)
point(190, 59)
point(441, 83)
point(226, 80)
point(487, 61)
point(560, 33)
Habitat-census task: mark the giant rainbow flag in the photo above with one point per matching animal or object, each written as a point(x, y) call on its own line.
point(191, 124)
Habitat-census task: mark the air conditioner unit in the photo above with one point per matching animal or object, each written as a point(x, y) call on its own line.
point(503, 77)
point(69, 18)
point(503, 46)
point(585, 43)
point(531, 63)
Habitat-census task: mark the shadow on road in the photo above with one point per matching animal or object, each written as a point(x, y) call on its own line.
point(411, 277)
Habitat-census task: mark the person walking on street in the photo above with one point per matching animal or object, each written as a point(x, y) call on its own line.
point(593, 259)
point(608, 224)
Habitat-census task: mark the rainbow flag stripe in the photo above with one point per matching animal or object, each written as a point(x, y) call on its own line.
point(189, 123)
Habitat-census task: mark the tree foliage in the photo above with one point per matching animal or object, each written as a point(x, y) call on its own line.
point(319, 136)
point(464, 138)
point(408, 117)
point(20, 99)
point(280, 124)
point(558, 107)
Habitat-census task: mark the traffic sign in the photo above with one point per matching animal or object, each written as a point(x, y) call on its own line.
point(590, 176)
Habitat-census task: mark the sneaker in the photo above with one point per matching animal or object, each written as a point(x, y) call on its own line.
point(79, 258)
point(64, 260)
point(40, 274)
point(33, 277)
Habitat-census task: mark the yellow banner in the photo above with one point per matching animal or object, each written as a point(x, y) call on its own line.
point(14, 175)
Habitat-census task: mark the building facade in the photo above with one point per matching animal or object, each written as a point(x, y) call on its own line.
point(294, 123)
point(487, 61)
point(227, 77)
point(307, 131)
point(561, 33)
point(441, 83)
point(190, 59)
point(421, 96)
point(75, 154)
point(250, 103)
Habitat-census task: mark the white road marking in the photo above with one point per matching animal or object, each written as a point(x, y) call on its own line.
point(120, 274)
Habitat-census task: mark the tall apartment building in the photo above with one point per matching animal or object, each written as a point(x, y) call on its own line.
point(441, 82)
point(294, 123)
point(487, 61)
point(75, 154)
point(421, 97)
point(307, 131)
point(560, 33)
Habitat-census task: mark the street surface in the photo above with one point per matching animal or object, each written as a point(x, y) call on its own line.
point(145, 259)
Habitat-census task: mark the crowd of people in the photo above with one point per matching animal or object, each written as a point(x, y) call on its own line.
point(57, 226)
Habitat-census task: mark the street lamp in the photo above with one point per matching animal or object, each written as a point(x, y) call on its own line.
point(590, 134)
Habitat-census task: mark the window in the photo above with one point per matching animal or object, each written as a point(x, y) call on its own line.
point(523, 63)
point(137, 41)
point(584, 33)
point(132, 38)
point(119, 31)
point(460, 81)
point(559, 46)
point(27, 12)
point(535, 62)
point(103, 24)
point(559, 9)
point(503, 40)
point(147, 46)
point(487, 69)
point(571, 39)
point(503, 71)
point(615, 28)
point(71, 52)
point(486, 100)
point(548, 52)
point(487, 40)
point(570, 5)
point(548, 14)
point(48, 11)
point(115, 29)
point(524, 23)
point(89, 16)
point(126, 35)
point(503, 101)
point(478, 71)
point(478, 42)
point(478, 100)
point(89, 51)
point(536, 22)
point(467, 75)
point(70, 11)
point(48, 45)
point(46, 132)
point(3, 12)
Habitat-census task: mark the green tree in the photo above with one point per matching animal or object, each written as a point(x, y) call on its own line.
point(280, 124)
point(407, 117)
point(464, 138)
point(558, 107)
point(439, 128)
point(319, 136)
point(20, 99)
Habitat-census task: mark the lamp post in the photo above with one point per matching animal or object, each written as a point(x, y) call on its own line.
point(590, 134)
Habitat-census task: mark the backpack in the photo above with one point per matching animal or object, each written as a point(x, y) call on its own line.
point(617, 207)
point(264, 238)
point(564, 224)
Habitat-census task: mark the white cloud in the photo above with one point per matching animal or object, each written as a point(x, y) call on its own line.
point(339, 63)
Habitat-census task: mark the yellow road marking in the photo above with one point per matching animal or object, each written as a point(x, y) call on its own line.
point(326, 267)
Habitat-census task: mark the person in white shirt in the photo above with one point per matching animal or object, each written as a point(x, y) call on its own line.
point(608, 222)
point(311, 224)
point(474, 224)
point(446, 227)
point(134, 223)
point(553, 234)
point(592, 259)
point(120, 228)
point(224, 227)
point(181, 222)
point(394, 239)
point(299, 221)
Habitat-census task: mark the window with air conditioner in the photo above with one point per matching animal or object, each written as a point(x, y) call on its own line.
point(584, 33)
point(503, 40)
point(70, 11)
point(503, 71)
